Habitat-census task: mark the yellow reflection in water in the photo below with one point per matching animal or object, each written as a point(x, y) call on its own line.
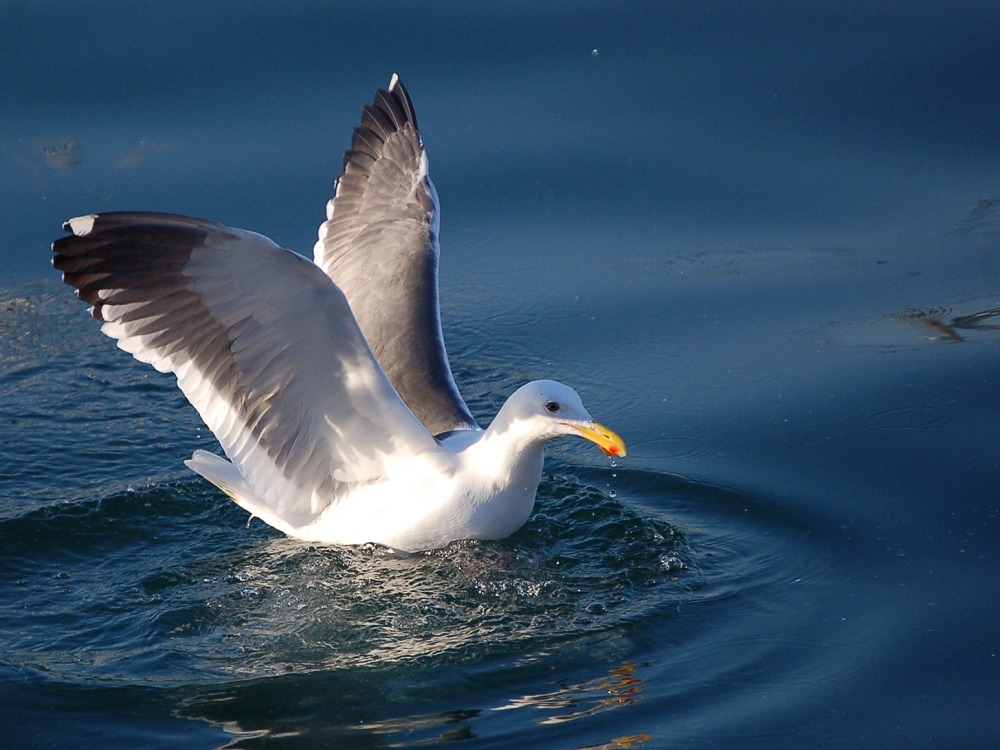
point(618, 688)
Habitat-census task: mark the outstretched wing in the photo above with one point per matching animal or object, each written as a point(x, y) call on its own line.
point(380, 246)
point(262, 344)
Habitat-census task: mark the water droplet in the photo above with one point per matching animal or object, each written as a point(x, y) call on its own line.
point(612, 493)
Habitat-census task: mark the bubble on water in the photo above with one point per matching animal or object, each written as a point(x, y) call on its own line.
point(672, 564)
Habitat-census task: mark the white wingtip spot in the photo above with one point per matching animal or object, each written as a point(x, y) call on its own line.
point(81, 225)
point(393, 81)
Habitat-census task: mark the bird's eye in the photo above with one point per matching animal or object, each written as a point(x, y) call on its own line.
point(552, 406)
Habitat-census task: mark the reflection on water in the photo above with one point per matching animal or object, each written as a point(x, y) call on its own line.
point(982, 320)
point(913, 328)
point(621, 743)
point(255, 717)
point(620, 687)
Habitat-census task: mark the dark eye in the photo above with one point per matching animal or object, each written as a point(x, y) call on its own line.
point(552, 406)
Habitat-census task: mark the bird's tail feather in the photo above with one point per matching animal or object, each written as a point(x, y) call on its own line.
point(224, 475)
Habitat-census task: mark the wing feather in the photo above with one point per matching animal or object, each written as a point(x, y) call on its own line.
point(380, 246)
point(261, 342)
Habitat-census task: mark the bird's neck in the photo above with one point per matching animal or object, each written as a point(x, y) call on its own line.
point(507, 455)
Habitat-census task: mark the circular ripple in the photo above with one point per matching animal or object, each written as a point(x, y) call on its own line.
point(916, 418)
point(512, 319)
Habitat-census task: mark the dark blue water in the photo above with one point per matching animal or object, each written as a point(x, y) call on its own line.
point(762, 241)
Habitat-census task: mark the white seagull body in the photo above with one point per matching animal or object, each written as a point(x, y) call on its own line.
point(326, 382)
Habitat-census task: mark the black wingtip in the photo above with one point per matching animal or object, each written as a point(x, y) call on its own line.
point(396, 99)
point(390, 112)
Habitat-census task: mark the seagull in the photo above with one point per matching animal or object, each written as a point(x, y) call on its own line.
point(326, 381)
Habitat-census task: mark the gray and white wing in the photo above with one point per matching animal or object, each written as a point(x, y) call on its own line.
point(380, 246)
point(262, 344)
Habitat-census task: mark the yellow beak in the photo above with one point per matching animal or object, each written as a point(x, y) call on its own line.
point(607, 440)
